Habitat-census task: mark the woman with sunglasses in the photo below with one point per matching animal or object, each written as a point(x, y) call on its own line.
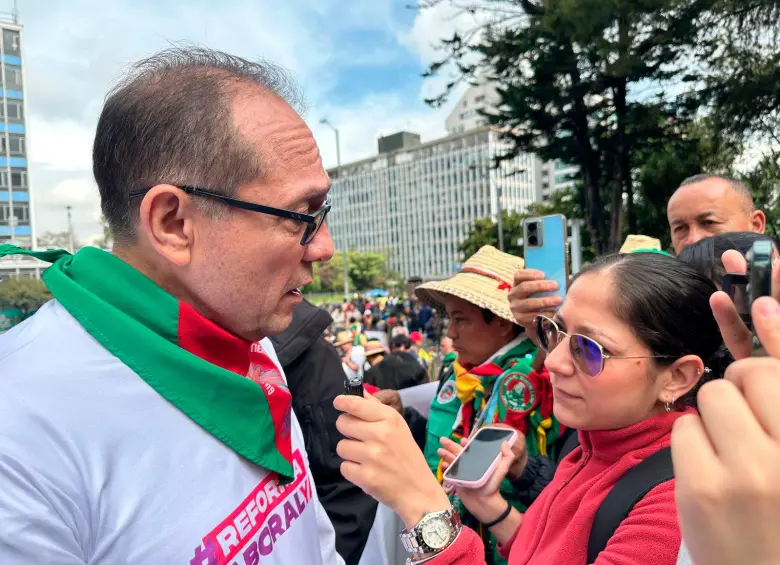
point(627, 351)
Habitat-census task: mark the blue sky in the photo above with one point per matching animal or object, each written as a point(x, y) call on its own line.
point(357, 61)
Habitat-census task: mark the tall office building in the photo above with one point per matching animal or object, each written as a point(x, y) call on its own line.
point(16, 217)
point(415, 202)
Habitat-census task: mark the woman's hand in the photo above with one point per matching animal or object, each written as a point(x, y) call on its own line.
point(727, 462)
point(737, 337)
point(524, 308)
point(381, 457)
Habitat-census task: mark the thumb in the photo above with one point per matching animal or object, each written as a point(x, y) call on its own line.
point(734, 262)
point(507, 458)
point(766, 320)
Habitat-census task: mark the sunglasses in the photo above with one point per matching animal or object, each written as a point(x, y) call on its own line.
point(313, 221)
point(588, 354)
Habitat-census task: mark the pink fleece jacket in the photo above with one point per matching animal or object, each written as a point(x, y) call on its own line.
point(556, 527)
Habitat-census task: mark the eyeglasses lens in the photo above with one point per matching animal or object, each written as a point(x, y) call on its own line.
point(587, 355)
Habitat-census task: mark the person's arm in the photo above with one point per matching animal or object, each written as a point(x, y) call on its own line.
point(39, 522)
point(538, 473)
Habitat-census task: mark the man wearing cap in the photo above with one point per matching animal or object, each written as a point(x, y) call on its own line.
point(493, 381)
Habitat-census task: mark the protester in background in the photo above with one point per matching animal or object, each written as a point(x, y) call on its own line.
point(315, 377)
point(706, 205)
point(493, 381)
point(417, 350)
point(624, 392)
point(353, 357)
point(144, 410)
point(398, 370)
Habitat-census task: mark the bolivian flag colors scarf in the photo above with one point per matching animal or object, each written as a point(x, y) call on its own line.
point(226, 385)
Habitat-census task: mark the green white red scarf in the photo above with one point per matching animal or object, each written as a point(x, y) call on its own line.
point(228, 386)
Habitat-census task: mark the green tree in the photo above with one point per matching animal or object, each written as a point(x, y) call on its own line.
point(764, 182)
point(365, 270)
point(22, 297)
point(612, 87)
point(484, 231)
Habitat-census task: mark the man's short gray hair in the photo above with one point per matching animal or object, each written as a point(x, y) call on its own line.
point(737, 185)
point(169, 120)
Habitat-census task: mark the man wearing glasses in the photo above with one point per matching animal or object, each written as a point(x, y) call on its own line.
point(145, 417)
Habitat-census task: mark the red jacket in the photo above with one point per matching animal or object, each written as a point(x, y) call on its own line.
point(556, 528)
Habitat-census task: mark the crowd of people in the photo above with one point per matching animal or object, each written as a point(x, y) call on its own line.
point(179, 402)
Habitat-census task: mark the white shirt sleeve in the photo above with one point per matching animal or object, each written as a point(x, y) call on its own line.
point(39, 523)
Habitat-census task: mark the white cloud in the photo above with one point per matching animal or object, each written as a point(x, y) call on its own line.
point(74, 50)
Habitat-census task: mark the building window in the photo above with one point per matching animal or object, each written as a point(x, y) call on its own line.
point(22, 212)
point(11, 42)
point(14, 110)
point(18, 179)
point(13, 77)
point(480, 98)
point(16, 142)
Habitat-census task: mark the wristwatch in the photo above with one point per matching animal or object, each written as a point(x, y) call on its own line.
point(431, 535)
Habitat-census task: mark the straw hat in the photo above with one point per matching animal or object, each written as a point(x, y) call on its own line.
point(374, 347)
point(342, 338)
point(484, 280)
point(643, 242)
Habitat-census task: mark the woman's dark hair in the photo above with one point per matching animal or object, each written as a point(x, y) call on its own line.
point(705, 254)
point(666, 302)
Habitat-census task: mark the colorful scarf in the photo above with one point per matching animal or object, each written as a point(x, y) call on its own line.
point(228, 386)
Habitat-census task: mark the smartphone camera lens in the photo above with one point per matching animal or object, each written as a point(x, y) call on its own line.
point(533, 240)
point(532, 228)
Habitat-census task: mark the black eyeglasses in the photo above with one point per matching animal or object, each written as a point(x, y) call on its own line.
point(588, 354)
point(313, 221)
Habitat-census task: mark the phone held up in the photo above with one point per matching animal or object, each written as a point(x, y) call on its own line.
point(546, 249)
point(744, 289)
point(474, 466)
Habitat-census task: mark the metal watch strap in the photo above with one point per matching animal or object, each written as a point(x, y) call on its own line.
point(410, 538)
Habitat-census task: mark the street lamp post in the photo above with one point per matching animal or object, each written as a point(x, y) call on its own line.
point(499, 191)
point(338, 168)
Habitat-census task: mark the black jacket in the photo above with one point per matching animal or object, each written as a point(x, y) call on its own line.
point(397, 371)
point(315, 377)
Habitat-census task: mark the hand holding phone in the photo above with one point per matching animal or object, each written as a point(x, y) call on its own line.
point(474, 466)
point(545, 247)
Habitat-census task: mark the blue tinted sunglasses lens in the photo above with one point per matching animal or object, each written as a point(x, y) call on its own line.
point(587, 355)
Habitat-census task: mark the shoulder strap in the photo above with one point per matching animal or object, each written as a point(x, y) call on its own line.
point(629, 490)
point(570, 441)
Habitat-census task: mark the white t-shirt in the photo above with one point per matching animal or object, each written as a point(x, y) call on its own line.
point(96, 467)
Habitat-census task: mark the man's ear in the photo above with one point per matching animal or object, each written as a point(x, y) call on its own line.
point(682, 376)
point(167, 222)
point(758, 221)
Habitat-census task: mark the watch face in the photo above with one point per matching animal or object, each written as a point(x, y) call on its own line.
point(436, 532)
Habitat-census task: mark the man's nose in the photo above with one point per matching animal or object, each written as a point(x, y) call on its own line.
point(320, 249)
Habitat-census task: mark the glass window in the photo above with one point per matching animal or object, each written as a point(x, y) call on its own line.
point(18, 179)
point(22, 211)
point(16, 143)
point(11, 42)
point(15, 113)
point(13, 77)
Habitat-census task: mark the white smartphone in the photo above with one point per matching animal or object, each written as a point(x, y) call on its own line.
point(476, 463)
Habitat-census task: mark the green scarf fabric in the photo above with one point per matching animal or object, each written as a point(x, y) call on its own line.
point(242, 401)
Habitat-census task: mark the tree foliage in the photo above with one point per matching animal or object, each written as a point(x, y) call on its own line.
point(628, 91)
point(22, 297)
point(366, 271)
